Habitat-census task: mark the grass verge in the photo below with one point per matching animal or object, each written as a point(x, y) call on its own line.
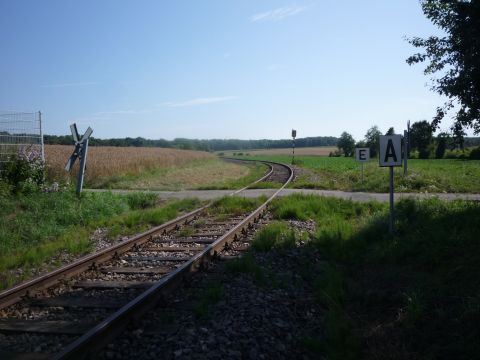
point(41, 226)
point(413, 295)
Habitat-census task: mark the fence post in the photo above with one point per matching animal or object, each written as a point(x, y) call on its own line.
point(41, 135)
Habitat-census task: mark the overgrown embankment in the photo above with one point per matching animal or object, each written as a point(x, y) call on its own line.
point(409, 296)
point(38, 230)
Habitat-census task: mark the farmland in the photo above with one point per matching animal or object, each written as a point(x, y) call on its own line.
point(340, 173)
point(149, 168)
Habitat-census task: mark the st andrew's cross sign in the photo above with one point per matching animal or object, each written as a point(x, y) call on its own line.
point(80, 152)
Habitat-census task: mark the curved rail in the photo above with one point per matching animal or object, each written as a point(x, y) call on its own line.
point(115, 323)
point(15, 294)
point(86, 345)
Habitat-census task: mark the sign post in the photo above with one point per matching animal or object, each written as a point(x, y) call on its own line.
point(294, 135)
point(391, 155)
point(80, 151)
point(362, 155)
point(406, 148)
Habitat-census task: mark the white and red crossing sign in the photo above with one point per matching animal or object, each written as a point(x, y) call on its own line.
point(390, 150)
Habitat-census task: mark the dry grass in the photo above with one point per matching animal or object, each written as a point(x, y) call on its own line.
point(317, 151)
point(111, 161)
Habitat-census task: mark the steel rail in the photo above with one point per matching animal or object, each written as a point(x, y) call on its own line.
point(88, 344)
point(28, 288)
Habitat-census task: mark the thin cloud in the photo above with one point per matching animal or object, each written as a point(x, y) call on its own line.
point(88, 83)
point(199, 101)
point(278, 14)
point(125, 112)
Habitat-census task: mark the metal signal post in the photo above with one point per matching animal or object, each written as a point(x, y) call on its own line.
point(294, 135)
point(406, 148)
point(80, 151)
point(391, 155)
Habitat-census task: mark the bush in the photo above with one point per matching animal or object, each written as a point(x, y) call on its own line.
point(475, 154)
point(25, 172)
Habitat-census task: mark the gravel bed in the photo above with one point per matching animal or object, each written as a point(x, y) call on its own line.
point(266, 318)
point(28, 343)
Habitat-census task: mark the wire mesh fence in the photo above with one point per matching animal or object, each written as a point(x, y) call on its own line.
point(20, 133)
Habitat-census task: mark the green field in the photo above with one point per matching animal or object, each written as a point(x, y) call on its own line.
point(340, 173)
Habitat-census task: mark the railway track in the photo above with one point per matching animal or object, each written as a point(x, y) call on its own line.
point(74, 311)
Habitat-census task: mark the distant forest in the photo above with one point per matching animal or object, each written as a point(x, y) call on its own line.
point(195, 144)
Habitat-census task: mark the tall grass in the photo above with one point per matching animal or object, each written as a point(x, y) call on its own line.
point(413, 295)
point(38, 227)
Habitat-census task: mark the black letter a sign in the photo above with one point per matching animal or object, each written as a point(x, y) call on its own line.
point(390, 150)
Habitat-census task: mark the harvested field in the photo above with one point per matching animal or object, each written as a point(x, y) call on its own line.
point(111, 161)
point(316, 151)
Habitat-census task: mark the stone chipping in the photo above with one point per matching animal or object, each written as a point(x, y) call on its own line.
point(257, 316)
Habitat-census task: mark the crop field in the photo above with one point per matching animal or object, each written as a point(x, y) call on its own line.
point(148, 168)
point(340, 173)
point(314, 151)
point(110, 161)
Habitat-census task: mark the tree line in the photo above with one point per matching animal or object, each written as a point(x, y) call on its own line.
point(198, 144)
point(422, 142)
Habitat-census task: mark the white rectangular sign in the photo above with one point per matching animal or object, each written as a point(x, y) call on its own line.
point(362, 154)
point(390, 150)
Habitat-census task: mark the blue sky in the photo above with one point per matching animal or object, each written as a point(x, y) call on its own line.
point(245, 69)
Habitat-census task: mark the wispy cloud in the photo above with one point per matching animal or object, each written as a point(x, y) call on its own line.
point(124, 112)
point(88, 83)
point(278, 14)
point(199, 101)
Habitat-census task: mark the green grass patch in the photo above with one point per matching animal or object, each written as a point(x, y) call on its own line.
point(341, 342)
point(340, 173)
point(208, 297)
point(37, 227)
point(235, 205)
point(136, 221)
point(248, 265)
point(415, 294)
point(274, 235)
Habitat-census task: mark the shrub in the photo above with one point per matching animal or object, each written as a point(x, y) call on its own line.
point(25, 172)
point(475, 154)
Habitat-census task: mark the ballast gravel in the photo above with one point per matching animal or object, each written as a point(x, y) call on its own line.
point(270, 314)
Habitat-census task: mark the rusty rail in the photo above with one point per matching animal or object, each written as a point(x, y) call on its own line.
point(86, 345)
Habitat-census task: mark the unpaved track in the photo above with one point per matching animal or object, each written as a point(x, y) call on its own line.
point(355, 196)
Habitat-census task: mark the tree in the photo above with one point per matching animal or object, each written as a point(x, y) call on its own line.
point(421, 135)
point(442, 141)
point(346, 143)
point(456, 57)
point(390, 131)
point(372, 140)
point(458, 137)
